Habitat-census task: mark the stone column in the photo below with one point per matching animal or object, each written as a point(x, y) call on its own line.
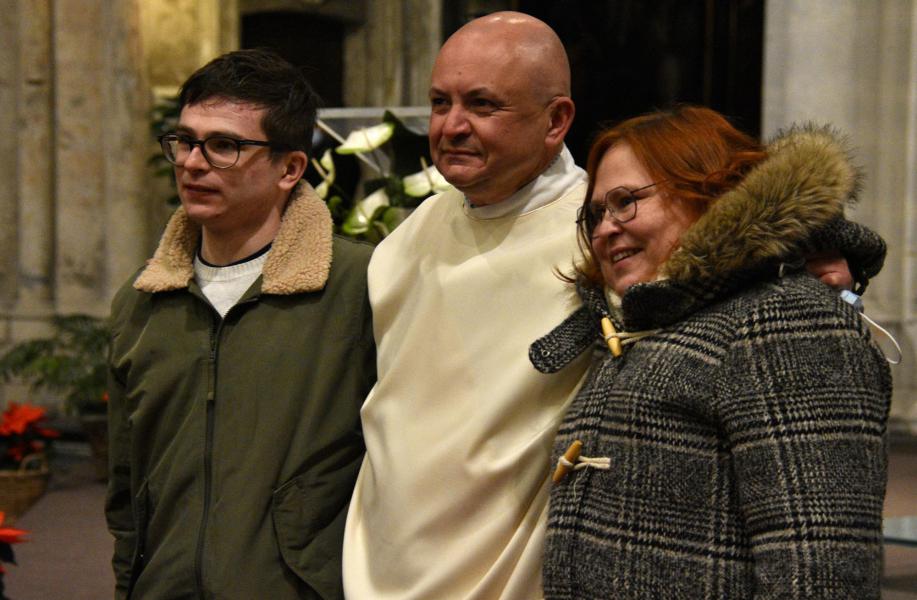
point(35, 153)
point(854, 65)
point(389, 58)
point(126, 146)
point(79, 156)
point(9, 76)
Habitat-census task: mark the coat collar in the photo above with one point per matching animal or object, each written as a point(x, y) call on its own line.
point(300, 257)
point(789, 205)
point(770, 218)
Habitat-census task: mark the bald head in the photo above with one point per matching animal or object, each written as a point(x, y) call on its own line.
point(526, 43)
point(500, 105)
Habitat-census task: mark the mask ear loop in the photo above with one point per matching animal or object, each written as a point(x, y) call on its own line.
point(857, 303)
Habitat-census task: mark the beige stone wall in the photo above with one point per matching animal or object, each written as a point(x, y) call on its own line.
point(73, 107)
point(854, 64)
point(389, 57)
point(72, 125)
point(181, 35)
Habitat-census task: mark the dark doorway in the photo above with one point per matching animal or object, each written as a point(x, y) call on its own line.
point(313, 42)
point(632, 56)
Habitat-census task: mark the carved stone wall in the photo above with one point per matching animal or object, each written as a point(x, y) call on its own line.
point(854, 64)
point(72, 117)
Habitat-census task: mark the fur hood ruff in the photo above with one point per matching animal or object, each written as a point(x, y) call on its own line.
point(788, 206)
point(800, 188)
point(299, 261)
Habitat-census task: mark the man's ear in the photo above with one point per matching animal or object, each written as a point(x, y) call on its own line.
point(561, 112)
point(294, 166)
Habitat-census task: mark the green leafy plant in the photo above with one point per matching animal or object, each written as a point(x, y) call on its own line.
point(71, 361)
point(163, 119)
point(401, 178)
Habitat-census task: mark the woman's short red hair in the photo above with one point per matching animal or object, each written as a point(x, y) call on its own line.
point(693, 152)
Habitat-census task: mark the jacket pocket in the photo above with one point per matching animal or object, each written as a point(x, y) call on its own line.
point(309, 514)
point(141, 518)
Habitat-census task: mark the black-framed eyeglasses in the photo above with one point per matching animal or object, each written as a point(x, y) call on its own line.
point(619, 203)
point(221, 151)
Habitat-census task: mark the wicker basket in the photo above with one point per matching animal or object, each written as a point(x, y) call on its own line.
point(20, 489)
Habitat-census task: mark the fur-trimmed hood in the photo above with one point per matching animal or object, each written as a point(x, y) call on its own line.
point(798, 189)
point(299, 261)
point(788, 206)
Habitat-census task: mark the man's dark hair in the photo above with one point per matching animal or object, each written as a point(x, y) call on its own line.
point(263, 78)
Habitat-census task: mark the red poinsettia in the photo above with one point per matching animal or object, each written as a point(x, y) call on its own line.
point(8, 537)
point(22, 432)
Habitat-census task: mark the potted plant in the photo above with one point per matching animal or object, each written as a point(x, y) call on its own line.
point(71, 362)
point(24, 440)
point(399, 177)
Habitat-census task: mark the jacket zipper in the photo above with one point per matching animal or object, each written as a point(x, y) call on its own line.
point(215, 333)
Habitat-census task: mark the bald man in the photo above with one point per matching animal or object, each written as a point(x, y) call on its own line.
point(451, 499)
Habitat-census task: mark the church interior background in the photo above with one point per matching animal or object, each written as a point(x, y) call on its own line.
point(80, 209)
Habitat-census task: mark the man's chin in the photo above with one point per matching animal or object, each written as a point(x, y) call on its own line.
point(461, 177)
point(197, 213)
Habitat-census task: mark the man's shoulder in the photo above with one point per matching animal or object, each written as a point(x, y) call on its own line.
point(127, 288)
point(431, 209)
point(350, 250)
point(575, 194)
point(434, 205)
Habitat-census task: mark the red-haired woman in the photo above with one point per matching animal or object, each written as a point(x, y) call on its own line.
point(732, 428)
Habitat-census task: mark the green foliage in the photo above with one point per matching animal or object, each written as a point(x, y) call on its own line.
point(71, 361)
point(385, 201)
point(163, 119)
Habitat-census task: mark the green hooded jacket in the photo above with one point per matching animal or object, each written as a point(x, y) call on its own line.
point(235, 442)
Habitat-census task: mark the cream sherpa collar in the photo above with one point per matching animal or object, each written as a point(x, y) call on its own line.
point(300, 258)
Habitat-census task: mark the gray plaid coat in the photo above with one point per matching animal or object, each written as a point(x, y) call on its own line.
point(746, 436)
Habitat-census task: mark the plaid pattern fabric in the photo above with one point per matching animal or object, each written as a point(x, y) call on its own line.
point(747, 457)
point(746, 437)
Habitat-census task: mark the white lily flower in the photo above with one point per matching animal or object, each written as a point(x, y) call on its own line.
point(425, 181)
point(358, 219)
point(325, 168)
point(366, 139)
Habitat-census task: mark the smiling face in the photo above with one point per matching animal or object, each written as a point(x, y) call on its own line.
point(632, 252)
point(487, 129)
point(245, 199)
point(500, 105)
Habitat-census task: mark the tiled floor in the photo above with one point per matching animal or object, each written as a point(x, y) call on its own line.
point(67, 557)
point(900, 581)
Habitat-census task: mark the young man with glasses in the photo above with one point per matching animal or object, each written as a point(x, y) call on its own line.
point(240, 356)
